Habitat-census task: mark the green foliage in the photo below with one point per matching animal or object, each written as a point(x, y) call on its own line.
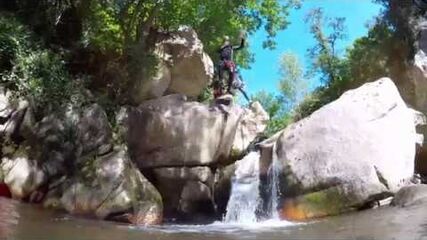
point(278, 123)
point(381, 53)
point(206, 95)
point(41, 75)
point(113, 40)
point(274, 106)
point(292, 84)
point(45, 16)
point(13, 37)
point(326, 64)
point(372, 56)
point(35, 73)
point(101, 29)
point(131, 20)
point(270, 102)
point(324, 55)
point(103, 37)
point(313, 101)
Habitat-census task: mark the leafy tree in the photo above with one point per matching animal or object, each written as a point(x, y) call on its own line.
point(30, 70)
point(274, 106)
point(292, 84)
point(113, 40)
point(372, 56)
point(381, 53)
point(384, 51)
point(326, 62)
point(116, 24)
point(292, 87)
point(271, 103)
point(324, 55)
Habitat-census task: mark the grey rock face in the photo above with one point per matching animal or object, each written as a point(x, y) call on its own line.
point(354, 150)
point(171, 131)
point(410, 195)
point(183, 68)
point(109, 185)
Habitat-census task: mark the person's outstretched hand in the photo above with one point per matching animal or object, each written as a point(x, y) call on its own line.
point(242, 34)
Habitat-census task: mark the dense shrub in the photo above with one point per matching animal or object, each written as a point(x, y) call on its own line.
point(30, 70)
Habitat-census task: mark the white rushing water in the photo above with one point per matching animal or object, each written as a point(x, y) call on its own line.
point(245, 199)
point(245, 196)
point(273, 175)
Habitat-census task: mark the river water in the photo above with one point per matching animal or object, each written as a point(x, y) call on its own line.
point(22, 221)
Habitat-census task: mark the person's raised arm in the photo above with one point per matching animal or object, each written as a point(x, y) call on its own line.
point(242, 41)
point(242, 45)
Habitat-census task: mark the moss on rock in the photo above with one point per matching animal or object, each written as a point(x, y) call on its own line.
point(322, 203)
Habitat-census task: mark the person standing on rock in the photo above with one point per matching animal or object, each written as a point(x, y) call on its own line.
point(226, 63)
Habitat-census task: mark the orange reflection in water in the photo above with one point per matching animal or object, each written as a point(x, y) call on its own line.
point(8, 217)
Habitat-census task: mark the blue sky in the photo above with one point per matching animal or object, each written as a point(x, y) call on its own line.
point(263, 74)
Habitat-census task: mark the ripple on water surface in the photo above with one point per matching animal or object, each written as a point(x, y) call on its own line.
point(22, 221)
point(222, 227)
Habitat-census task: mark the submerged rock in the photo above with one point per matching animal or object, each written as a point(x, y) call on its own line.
point(410, 195)
point(355, 150)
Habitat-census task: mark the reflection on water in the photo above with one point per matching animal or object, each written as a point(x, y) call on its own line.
point(423, 230)
point(21, 221)
point(9, 218)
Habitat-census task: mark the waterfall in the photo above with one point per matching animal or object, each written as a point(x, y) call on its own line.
point(245, 199)
point(273, 175)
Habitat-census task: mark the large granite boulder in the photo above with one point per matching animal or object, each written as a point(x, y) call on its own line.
point(182, 67)
point(173, 132)
point(410, 195)
point(418, 78)
point(6, 105)
point(108, 187)
point(153, 86)
point(252, 124)
point(94, 133)
point(355, 150)
point(58, 140)
point(192, 69)
point(409, 18)
point(12, 112)
point(187, 192)
point(180, 145)
point(222, 187)
point(66, 160)
point(22, 175)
